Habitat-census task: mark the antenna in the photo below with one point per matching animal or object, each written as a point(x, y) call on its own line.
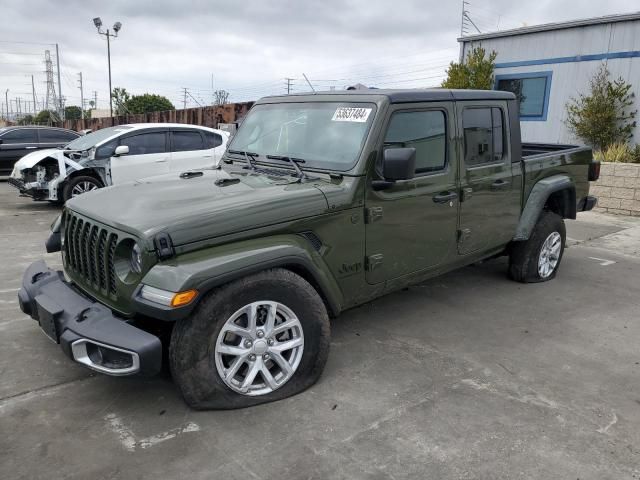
point(305, 77)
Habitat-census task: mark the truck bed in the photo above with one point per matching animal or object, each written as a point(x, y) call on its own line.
point(533, 149)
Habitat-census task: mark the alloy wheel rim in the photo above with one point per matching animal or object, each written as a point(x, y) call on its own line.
point(549, 255)
point(259, 348)
point(83, 187)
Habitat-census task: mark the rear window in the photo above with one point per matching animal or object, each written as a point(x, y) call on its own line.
point(56, 136)
point(184, 141)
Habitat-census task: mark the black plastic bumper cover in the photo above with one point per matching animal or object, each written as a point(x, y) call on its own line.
point(587, 203)
point(66, 316)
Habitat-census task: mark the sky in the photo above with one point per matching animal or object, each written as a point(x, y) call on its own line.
point(249, 47)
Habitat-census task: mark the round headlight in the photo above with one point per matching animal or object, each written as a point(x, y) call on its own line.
point(136, 259)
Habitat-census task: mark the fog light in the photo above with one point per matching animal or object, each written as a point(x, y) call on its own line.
point(105, 358)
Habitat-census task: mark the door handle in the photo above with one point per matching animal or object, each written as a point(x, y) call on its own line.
point(207, 156)
point(445, 197)
point(500, 185)
point(161, 160)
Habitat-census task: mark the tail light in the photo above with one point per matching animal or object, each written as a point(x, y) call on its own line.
point(594, 171)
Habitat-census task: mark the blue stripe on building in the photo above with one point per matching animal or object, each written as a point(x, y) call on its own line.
point(574, 59)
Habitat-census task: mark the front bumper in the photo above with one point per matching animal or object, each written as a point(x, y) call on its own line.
point(34, 190)
point(88, 332)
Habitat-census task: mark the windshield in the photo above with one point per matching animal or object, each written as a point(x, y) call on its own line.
point(92, 139)
point(324, 134)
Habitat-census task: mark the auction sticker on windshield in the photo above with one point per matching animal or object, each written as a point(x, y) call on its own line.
point(351, 114)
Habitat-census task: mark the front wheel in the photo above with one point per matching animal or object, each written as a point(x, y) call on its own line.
point(538, 259)
point(78, 186)
point(255, 340)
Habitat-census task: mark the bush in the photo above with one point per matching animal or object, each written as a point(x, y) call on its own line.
point(604, 116)
point(619, 153)
point(476, 72)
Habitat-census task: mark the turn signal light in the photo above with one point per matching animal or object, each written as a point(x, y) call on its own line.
point(183, 298)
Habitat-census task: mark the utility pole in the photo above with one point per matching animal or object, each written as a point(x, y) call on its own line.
point(289, 84)
point(213, 93)
point(61, 111)
point(184, 101)
point(95, 99)
point(6, 99)
point(81, 94)
point(33, 92)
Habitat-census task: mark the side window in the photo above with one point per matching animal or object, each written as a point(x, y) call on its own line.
point(21, 135)
point(145, 143)
point(212, 140)
point(185, 140)
point(55, 136)
point(426, 132)
point(106, 150)
point(483, 135)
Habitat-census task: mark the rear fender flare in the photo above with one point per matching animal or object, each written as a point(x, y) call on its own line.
point(537, 200)
point(206, 269)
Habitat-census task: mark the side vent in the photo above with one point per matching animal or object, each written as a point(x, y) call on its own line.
point(313, 239)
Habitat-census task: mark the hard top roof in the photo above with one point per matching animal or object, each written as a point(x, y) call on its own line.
point(405, 95)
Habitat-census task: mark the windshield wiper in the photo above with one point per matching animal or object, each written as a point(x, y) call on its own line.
point(294, 161)
point(250, 157)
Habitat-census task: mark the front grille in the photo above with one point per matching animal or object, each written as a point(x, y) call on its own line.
point(89, 252)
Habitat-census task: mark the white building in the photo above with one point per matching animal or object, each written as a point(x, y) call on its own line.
point(552, 63)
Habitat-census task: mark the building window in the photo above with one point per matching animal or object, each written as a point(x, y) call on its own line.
point(532, 90)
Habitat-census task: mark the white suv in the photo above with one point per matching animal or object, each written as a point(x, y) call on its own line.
point(115, 155)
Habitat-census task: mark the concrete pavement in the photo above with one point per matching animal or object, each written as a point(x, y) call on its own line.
point(467, 376)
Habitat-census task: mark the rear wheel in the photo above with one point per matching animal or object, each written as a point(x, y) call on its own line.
point(538, 259)
point(79, 185)
point(255, 340)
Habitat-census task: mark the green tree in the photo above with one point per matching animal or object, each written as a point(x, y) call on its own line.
point(119, 98)
point(45, 117)
point(604, 116)
point(72, 112)
point(476, 72)
point(26, 120)
point(148, 103)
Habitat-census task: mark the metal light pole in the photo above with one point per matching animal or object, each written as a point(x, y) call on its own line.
point(116, 28)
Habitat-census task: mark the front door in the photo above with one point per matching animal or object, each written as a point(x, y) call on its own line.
point(411, 225)
point(490, 203)
point(148, 156)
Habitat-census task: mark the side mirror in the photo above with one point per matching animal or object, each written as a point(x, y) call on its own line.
point(399, 164)
point(121, 150)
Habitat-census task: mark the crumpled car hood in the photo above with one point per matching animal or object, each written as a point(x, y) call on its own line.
point(33, 158)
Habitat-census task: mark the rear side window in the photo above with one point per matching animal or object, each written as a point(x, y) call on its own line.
point(483, 135)
point(56, 136)
point(185, 140)
point(145, 143)
point(426, 132)
point(212, 140)
point(22, 135)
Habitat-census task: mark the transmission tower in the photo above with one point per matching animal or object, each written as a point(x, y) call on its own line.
point(466, 24)
point(52, 97)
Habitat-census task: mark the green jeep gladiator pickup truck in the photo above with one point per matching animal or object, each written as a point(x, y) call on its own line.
point(322, 202)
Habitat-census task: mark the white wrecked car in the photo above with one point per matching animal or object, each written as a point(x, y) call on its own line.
point(115, 155)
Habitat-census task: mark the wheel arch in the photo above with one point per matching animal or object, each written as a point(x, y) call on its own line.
point(220, 266)
point(556, 194)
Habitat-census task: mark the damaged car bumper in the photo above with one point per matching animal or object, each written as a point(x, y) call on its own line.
point(88, 332)
point(39, 174)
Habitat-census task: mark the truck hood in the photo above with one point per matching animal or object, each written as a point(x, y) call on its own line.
point(202, 207)
point(33, 158)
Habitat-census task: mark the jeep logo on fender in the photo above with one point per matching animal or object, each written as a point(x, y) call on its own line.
point(349, 269)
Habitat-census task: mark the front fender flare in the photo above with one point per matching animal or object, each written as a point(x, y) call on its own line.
point(208, 268)
point(537, 199)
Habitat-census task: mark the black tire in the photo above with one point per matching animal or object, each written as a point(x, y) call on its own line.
point(67, 191)
point(524, 256)
point(193, 340)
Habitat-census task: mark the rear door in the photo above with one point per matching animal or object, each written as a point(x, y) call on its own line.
point(15, 144)
point(411, 226)
point(189, 150)
point(148, 156)
point(490, 202)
